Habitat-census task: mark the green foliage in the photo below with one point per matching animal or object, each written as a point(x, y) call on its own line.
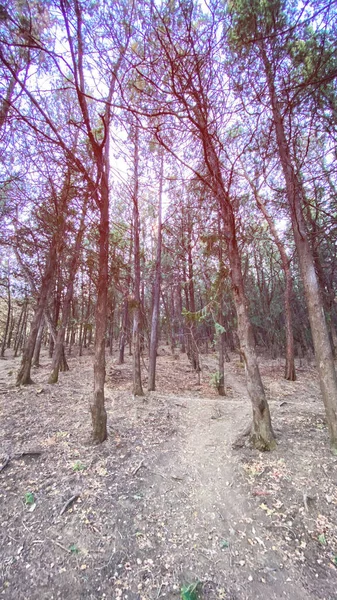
point(215, 379)
point(196, 317)
point(79, 466)
point(322, 539)
point(219, 329)
point(29, 498)
point(189, 592)
point(74, 549)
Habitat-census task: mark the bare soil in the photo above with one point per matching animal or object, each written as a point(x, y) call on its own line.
point(166, 501)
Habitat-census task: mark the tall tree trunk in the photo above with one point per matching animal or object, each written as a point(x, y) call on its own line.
point(11, 331)
point(137, 380)
point(8, 319)
point(156, 288)
point(262, 433)
point(194, 350)
point(20, 326)
point(125, 314)
point(221, 379)
point(38, 343)
point(123, 333)
point(56, 305)
point(318, 325)
point(181, 321)
point(97, 407)
point(58, 355)
point(23, 376)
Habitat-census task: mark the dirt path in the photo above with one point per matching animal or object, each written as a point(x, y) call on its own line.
point(165, 502)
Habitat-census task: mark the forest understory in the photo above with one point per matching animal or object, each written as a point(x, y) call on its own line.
point(166, 507)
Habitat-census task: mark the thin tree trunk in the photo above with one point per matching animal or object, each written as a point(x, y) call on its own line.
point(194, 349)
point(156, 290)
point(23, 377)
point(56, 306)
point(123, 333)
point(221, 380)
point(38, 343)
point(11, 331)
point(125, 315)
point(137, 380)
point(97, 407)
point(20, 326)
point(290, 373)
point(181, 321)
point(8, 319)
point(58, 356)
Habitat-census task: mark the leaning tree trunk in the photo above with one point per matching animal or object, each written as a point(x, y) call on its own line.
point(20, 327)
point(23, 377)
point(38, 343)
point(261, 433)
point(156, 289)
point(318, 325)
point(137, 379)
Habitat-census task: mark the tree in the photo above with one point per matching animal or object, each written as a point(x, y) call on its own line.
point(157, 284)
point(137, 378)
point(92, 43)
point(263, 25)
point(185, 41)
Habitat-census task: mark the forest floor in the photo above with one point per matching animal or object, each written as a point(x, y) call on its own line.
point(165, 502)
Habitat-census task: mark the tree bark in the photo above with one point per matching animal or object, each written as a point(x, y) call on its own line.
point(123, 333)
point(20, 326)
point(58, 355)
point(23, 376)
point(137, 380)
point(38, 343)
point(8, 319)
point(98, 412)
point(156, 289)
point(221, 345)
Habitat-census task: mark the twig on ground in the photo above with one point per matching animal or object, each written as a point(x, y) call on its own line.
point(18, 455)
point(60, 546)
point(141, 464)
point(5, 463)
point(305, 501)
point(68, 503)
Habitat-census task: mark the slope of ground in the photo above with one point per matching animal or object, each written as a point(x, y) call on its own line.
point(165, 501)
